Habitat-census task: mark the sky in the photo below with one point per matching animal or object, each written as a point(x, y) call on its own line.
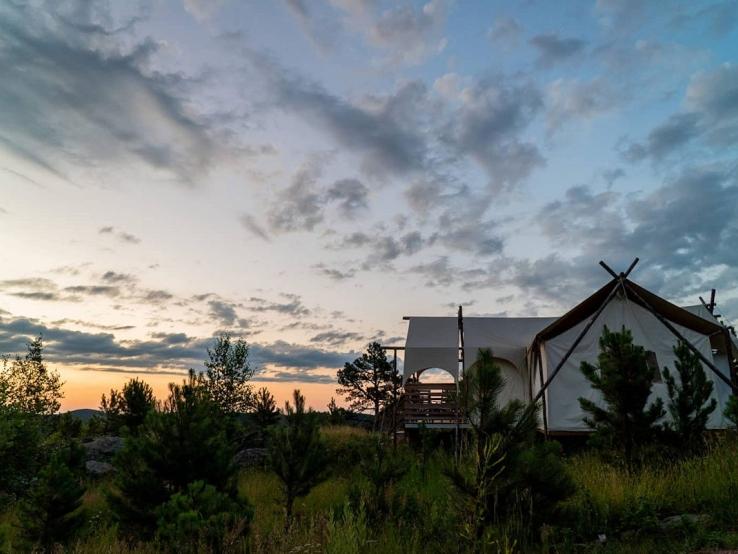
point(303, 174)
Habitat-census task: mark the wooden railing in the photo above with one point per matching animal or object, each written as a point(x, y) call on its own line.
point(429, 404)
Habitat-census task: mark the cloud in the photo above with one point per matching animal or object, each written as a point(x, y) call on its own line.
point(299, 206)
point(410, 32)
point(334, 273)
point(76, 97)
point(115, 278)
point(505, 32)
point(223, 312)
point(120, 235)
point(570, 99)
point(487, 126)
point(665, 139)
point(553, 49)
point(293, 307)
point(250, 223)
point(93, 290)
point(404, 33)
point(163, 353)
point(710, 115)
point(384, 131)
point(335, 338)
point(350, 194)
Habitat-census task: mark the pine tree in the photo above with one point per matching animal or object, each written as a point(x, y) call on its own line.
point(624, 379)
point(227, 375)
point(508, 473)
point(185, 442)
point(265, 409)
point(731, 411)
point(297, 453)
point(690, 405)
point(50, 512)
point(367, 382)
point(129, 407)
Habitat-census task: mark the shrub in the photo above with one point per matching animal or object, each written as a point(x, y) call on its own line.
point(202, 518)
point(183, 443)
point(49, 514)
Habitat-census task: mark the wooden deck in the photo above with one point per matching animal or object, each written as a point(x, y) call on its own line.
point(430, 405)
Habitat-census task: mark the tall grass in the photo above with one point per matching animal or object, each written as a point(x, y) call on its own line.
point(424, 515)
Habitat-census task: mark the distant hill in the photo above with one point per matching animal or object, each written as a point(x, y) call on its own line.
point(85, 413)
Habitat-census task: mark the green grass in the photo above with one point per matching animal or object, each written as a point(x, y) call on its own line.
point(424, 512)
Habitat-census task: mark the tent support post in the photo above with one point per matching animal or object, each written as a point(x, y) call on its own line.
point(457, 450)
point(678, 335)
point(394, 398)
point(618, 284)
point(731, 359)
point(543, 398)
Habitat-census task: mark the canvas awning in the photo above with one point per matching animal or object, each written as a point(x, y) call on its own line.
point(432, 342)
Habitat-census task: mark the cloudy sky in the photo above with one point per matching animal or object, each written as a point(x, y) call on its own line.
point(305, 173)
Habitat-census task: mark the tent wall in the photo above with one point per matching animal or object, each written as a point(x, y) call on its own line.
point(562, 396)
point(432, 342)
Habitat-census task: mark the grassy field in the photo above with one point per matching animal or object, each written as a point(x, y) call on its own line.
point(611, 511)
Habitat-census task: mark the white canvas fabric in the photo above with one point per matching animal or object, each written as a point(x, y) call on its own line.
point(432, 342)
point(562, 397)
point(704, 313)
point(508, 337)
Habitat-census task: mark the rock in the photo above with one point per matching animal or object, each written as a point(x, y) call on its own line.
point(250, 457)
point(102, 448)
point(98, 469)
point(693, 520)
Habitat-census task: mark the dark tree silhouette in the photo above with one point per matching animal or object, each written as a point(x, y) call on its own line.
point(227, 375)
point(28, 385)
point(129, 407)
point(50, 512)
point(367, 382)
point(265, 408)
point(690, 405)
point(297, 453)
point(624, 378)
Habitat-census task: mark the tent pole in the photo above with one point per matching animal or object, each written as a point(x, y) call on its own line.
point(456, 408)
point(678, 335)
point(731, 360)
point(618, 284)
point(543, 398)
point(394, 398)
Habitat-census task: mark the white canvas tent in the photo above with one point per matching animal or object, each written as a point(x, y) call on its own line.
point(541, 357)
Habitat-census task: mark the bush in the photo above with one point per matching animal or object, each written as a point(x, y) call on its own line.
point(202, 518)
point(186, 442)
point(49, 514)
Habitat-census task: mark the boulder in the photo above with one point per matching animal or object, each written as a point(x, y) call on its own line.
point(250, 457)
point(102, 448)
point(98, 469)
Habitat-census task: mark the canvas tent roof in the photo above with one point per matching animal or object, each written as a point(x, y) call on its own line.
point(670, 311)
